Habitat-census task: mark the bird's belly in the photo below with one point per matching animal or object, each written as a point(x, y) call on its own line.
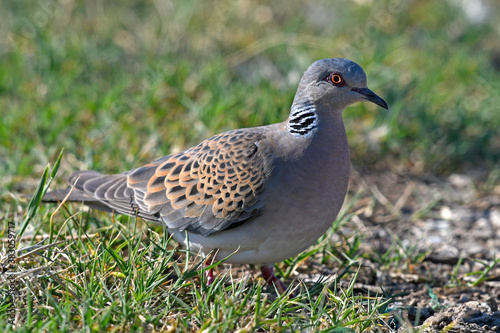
point(298, 219)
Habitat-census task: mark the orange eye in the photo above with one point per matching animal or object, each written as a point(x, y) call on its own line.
point(336, 79)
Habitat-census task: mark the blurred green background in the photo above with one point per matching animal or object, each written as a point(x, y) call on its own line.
point(120, 83)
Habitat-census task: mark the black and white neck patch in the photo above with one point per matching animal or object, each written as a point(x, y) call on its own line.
point(303, 119)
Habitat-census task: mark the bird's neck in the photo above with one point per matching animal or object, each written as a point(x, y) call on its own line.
point(303, 120)
point(318, 133)
point(307, 122)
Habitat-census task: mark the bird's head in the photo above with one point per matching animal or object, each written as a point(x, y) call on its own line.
point(336, 83)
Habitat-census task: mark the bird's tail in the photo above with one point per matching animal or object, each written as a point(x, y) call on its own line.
point(109, 193)
point(83, 186)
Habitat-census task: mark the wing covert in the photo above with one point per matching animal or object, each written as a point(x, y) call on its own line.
point(207, 187)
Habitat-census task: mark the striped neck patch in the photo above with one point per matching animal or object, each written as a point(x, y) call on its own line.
point(303, 119)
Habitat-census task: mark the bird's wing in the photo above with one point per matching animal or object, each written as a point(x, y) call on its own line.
point(213, 186)
point(208, 188)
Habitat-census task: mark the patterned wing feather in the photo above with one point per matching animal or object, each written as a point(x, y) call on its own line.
point(208, 187)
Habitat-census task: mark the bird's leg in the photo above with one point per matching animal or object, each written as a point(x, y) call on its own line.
point(209, 273)
point(271, 279)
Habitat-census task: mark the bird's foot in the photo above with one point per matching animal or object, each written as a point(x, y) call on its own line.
point(209, 273)
point(271, 279)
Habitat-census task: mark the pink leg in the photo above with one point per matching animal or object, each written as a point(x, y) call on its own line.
point(209, 274)
point(271, 279)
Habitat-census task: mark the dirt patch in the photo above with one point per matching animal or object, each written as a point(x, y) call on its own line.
point(454, 224)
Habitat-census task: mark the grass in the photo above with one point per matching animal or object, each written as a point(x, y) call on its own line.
point(128, 277)
point(118, 84)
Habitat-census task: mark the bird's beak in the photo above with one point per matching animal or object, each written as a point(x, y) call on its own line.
point(371, 96)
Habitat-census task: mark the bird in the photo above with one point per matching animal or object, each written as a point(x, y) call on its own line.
point(255, 195)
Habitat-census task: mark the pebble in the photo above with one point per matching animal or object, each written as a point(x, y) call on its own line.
point(463, 298)
point(495, 218)
point(460, 181)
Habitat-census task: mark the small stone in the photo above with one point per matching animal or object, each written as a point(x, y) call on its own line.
point(495, 321)
point(483, 223)
point(446, 213)
point(492, 304)
point(470, 314)
point(460, 181)
point(463, 298)
point(495, 218)
point(438, 319)
point(434, 240)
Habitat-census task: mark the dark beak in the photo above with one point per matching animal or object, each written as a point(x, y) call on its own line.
point(371, 96)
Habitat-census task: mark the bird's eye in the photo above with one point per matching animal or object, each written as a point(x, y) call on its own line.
point(336, 79)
